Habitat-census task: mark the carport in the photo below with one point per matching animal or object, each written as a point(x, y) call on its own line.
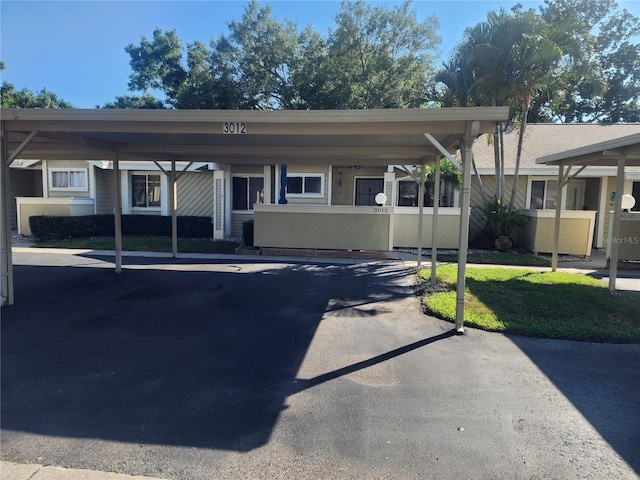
point(621, 152)
point(346, 137)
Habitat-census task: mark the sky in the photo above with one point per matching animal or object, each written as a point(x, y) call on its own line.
point(75, 49)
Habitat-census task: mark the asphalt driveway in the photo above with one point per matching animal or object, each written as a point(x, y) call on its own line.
point(201, 369)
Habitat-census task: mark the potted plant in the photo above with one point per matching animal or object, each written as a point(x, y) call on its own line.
point(501, 223)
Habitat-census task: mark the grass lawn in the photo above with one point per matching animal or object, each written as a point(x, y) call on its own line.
point(536, 304)
point(145, 244)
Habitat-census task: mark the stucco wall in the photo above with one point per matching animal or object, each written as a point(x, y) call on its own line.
point(628, 240)
point(405, 227)
point(57, 207)
point(576, 231)
point(343, 228)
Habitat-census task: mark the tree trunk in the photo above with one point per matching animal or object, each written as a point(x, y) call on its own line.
point(479, 178)
point(523, 128)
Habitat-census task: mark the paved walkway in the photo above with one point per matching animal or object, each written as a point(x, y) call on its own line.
point(628, 280)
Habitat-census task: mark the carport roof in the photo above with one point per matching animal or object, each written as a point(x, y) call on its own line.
point(605, 153)
point(338, 137)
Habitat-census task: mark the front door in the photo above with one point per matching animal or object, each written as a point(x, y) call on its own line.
point(366, 191)
point(575, 195)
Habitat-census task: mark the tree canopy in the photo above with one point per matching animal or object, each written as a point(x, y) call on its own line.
point(10, 97)
point(376, 57)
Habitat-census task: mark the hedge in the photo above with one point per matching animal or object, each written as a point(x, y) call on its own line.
point(45, 227)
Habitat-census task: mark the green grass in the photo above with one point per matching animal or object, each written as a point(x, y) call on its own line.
point(500, 258)
point(144, 244)
point(536, 304)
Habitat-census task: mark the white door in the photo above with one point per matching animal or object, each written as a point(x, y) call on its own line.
point(575, 195)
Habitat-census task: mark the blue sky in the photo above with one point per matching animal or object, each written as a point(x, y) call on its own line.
point(76, 48)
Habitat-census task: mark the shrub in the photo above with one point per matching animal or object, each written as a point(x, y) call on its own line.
point(49, 227)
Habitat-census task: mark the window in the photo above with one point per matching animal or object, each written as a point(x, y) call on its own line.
point(145, 191)
point(408, 194)
point(68, 179)
point(308, 185)
point(544, 194)
point(635, 193)
point(246, 192)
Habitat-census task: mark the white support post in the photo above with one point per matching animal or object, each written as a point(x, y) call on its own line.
point(434, 222)
point(218, 204)
point(421, 189)
point(117, 214)
point(615, 234)
point(6, 261)
point(463, 242)
point(173, 189)
point(556, 228)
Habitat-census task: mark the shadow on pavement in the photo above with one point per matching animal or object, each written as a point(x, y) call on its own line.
point(192, 358)
point(601, 381)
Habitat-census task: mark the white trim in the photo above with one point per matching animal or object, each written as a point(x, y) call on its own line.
point(267, 184)
point(92, 187)
point(52, 170)
point(321, 175)
point(532, 179)
point(330, 185)
point(45, 181)
point(196, 167)
point(246, 175)
point(602, 210)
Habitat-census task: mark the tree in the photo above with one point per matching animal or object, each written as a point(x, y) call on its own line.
point(503, 61)
point(379, 58)
point(25, 98)
point(376, 58)
point(146, 101)
point(602, 81)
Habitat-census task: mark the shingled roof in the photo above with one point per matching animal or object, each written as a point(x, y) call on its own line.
point(543, 139)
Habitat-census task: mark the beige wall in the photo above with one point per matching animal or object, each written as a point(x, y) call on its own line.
point(344, 182)
point(343, 228)
point(629, 239)
point(53, 164)
point(576, 231)
point(405, 227)
point(56, 207)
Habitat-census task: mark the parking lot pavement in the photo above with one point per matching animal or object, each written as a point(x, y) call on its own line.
point(194, 369)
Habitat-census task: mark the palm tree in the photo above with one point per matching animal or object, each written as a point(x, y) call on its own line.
point(505, 61)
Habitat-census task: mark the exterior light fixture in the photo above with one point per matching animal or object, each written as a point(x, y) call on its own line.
point(628, 202)
point(381, 199)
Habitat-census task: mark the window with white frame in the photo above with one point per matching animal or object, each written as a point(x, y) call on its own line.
point(246, 191)
point(145, 190)
point(305, 184)
point(68, 179)
point(543, 194)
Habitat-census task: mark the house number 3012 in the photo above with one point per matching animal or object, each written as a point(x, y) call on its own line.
point(380, 210)
point(234, 128)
